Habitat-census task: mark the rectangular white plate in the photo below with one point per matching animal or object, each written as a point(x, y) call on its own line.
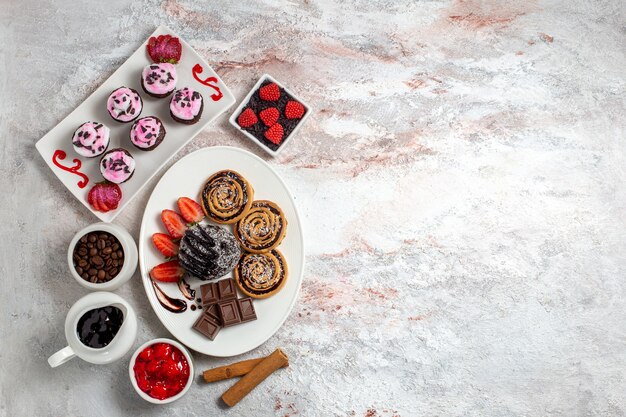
point(81, 173)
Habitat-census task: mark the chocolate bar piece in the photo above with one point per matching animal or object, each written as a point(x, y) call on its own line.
point(209, 294)
point(213, 311)
point(246, 309)
point(207, 325)
point(227, 289)
point(229, 313)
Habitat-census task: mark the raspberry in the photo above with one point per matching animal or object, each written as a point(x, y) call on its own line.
point(247, 118)
point(275, 134)
point(294, 110)
point(269, 92)
point(269, 116)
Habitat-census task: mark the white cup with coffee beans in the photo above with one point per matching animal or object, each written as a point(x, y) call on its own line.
point(102, 256)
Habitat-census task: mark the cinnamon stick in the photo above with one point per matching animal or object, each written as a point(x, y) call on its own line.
point(253, 378)
point(231, 371)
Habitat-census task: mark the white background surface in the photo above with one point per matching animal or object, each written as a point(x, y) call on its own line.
point(461, 184)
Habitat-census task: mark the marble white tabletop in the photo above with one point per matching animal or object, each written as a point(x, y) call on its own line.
point(461, 184)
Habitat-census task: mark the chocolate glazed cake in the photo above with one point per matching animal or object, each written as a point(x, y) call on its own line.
point(208, 252)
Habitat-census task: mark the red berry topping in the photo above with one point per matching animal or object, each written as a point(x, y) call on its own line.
point(161, 371)
point(294, 110)
point(104, 196)
point(175, 224)
point(270, 92)
point(274, 134)
point(167, 272)
point(165, 244)
point(247, 118)
point(190, 210)
point(164, 48)
point(269, 116)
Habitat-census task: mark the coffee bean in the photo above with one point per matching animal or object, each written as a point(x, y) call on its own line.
point(98, 257)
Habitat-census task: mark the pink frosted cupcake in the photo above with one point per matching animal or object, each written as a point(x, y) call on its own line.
point(147, 133)
point(124, 104)
point(91, 139)
point(186, 106)
point(159, 80)
point(117, 165)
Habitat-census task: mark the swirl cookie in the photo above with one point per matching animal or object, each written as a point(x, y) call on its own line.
point(124, 104)
point(262, 228)
point(261, 275)
point(147, 133)
point(91, 139)
point(226, 197)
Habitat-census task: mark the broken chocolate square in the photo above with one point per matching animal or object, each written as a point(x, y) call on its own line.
point(209, 294)
point(213, 311)
point(246, 309)
point(229, 313)
point(227, 289)
point(207, 325)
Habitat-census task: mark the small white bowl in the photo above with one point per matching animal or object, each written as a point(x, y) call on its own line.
point(128, 247)
point(133, 380)
point(233, 117)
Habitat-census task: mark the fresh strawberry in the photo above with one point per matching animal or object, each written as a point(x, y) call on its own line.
point(164, 48)
point(174, 224)
point(269, 116)
point(165, 244)
point(167, 272)
point(247, 118)
point(269, 92)
point(104, 196)
point(275, 134)
point(294, 110)
point(190, 210)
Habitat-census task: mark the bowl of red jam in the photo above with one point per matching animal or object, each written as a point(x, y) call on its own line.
point(161, 371)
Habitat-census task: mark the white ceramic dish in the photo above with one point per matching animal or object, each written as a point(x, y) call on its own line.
point(128, 247)
point(118, 347)
point(133, 380)
point(233, 117)
point(79, 174)
point(185, 178)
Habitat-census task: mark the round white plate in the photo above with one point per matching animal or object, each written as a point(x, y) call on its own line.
point(185, 178)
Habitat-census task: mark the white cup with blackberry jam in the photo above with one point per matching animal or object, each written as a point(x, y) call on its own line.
point(102, 256)
point(100, 328)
